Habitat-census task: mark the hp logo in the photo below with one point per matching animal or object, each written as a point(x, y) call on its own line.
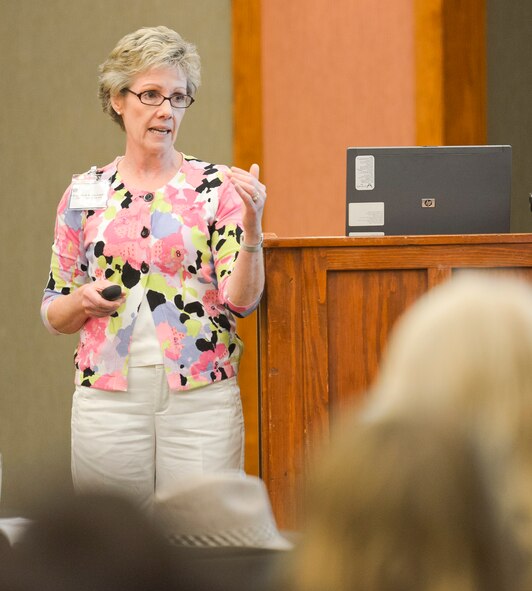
point(428, 203)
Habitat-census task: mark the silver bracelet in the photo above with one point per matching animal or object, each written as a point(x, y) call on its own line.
point(252, 247)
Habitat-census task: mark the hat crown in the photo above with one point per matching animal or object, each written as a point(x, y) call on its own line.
point(226, 509)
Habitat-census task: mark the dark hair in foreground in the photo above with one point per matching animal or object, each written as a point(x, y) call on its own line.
point(92, 542)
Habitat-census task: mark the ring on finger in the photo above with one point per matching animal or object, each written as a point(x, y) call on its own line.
point(255, 196)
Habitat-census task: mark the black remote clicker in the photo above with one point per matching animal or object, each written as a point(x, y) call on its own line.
point(113, 292)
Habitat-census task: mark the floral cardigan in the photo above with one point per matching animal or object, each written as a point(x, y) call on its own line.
point(177, 246)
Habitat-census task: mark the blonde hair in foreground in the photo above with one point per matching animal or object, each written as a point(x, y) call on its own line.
point(464, 348)
point(398, 506)
point(462, 357)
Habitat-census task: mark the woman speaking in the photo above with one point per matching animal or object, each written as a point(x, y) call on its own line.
point(178, 244)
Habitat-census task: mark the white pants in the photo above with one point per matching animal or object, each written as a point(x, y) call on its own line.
point(142, 441)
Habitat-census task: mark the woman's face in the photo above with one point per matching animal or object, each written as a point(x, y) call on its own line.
point(150, 128)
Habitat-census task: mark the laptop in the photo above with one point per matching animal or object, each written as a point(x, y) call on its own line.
point(428, 190)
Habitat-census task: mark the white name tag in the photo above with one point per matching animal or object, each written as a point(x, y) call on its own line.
point(89, 191)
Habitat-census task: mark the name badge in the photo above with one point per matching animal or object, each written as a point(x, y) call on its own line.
point(89, 191)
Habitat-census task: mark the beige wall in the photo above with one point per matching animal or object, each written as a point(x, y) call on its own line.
point(51, 127)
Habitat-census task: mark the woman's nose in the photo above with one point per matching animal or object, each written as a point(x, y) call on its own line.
point(165, 108)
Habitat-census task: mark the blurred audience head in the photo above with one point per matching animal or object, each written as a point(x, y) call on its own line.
point(399, 506)
point(463, 351)
point(462, 355)
point(92, 542)
point(427, 486)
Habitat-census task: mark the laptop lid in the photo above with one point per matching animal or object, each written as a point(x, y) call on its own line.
point(428, 190)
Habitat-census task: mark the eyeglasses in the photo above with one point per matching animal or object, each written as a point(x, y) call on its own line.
point(155, 99)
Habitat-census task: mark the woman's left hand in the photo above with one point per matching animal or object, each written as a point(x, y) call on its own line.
point(253, 195)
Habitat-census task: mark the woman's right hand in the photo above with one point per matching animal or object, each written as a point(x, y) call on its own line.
point(92, 302)
point(68, 313)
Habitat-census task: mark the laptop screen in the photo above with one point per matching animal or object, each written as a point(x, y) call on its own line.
point(428, 190)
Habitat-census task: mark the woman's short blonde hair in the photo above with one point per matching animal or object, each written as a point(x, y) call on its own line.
point(146, 48)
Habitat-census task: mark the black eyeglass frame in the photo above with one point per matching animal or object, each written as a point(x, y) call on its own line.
point(163, 98)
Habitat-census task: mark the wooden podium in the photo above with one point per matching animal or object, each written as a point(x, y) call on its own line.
point(324, 321)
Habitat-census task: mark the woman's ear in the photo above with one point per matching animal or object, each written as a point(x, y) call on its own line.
point(116, 103)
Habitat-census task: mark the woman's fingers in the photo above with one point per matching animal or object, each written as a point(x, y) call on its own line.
point(255, 170)
point(95, 304)
point(248, 182)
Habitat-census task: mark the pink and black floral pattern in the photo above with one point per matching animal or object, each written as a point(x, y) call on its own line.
point(177, 246)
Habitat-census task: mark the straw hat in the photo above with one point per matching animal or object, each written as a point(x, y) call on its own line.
point(220, 509)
